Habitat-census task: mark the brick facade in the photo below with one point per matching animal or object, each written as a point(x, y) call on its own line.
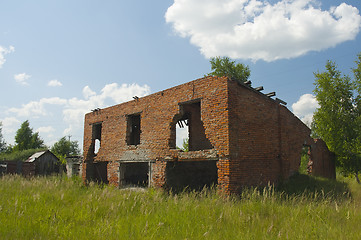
point(249, 137)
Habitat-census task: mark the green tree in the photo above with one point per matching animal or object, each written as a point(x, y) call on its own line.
point(3, 146)
point(338, 119)
point(65, 147)
point(225, 67)
point(185, 145)
point(26, 139)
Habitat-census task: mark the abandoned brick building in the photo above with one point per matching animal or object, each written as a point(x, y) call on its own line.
point(238, 137)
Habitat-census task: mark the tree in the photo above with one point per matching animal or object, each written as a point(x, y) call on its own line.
point(185, 145)
point(3, 146)
point(338, 119)
point(225, 67)
point(26, 139)
point(65, 147)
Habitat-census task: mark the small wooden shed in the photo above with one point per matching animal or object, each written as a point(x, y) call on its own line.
point(45, 162)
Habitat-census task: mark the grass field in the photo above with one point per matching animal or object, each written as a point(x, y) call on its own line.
point(60, 208)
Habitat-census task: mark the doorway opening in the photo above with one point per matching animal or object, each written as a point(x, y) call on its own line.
point(135, 174)
point(306, 161)
point(192, 175)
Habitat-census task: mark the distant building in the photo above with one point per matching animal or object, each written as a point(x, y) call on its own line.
point(45, 162)
point(73, 166)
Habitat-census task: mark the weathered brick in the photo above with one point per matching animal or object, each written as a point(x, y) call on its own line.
point(253, 138)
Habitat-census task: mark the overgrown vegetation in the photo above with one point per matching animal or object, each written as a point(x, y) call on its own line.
point(338, 119)
point(19, 155)
point(224, 66)
point(26, 139)
point(65, 148)
point(28, 143)
point(60, 208)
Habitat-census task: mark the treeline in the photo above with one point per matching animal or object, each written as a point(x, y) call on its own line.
point(28, 142)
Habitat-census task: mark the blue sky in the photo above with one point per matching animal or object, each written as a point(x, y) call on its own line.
point(59, 58)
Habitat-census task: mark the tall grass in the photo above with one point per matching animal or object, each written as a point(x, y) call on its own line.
point(60, 208)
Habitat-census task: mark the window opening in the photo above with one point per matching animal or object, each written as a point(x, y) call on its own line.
point(97, 146)
point(135, 174)
point(133, 130)
point(182, 134)
point(188, 126)
point(97, 137)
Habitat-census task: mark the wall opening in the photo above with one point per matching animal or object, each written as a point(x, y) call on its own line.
point(192, 175)
point(133, 129)
point(189, 122)
point(96, 136)
point(134, 174)
point(306, 162)
point(100, 172)
point(182, 134)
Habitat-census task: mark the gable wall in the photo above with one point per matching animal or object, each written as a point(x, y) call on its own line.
point(265, 139)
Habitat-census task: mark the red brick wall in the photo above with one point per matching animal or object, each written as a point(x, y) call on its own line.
point(323, 161)
point(256, 140)
point(266, 139)
point(157, 113)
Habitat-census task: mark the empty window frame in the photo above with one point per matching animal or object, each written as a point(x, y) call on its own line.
point(189, 120)
point(133, 129)
point(97, 136)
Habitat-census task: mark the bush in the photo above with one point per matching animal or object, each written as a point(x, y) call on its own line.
point(19, 155)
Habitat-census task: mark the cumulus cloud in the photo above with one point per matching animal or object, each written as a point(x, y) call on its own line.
point(3, 52)
point(255, 29)
point(305, 107)
point(74, 109)
point(9, 124)
point(22, 78)
point(54, 83)
point(37, 109)
point(47, 129)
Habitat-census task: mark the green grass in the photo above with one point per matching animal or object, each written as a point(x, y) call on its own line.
point(60, 208)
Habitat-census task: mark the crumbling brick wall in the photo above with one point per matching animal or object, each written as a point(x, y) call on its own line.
point(322, 160)
point(253, 139)
point(266, 138)
point(157, 141)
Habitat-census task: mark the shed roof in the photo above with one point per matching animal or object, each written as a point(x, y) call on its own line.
point(35, 156)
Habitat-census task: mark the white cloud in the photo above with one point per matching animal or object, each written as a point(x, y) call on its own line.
point(47, 129)
point(305, 107)
point(21, 78)
point(3, 52)
point(9, 124)
point(76, 108)
point(37, 109)
point(254, 29)
point(73, 110)
point(87, 92)
point(54, 83)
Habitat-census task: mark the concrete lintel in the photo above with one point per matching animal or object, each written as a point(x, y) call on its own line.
point(136, 161)
point(201, 155)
